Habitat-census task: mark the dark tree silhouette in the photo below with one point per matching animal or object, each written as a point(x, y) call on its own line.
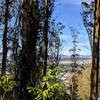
point(5, 49)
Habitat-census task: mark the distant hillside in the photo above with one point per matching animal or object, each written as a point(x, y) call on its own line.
point(68, 58)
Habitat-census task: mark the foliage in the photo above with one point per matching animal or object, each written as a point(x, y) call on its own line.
point(50, 85)
point(54, 42)
point(88, 16)
point(7, 83)
point(23, 17)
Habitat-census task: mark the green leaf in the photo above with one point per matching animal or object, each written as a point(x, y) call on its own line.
point(85, 4)
point(7, 83)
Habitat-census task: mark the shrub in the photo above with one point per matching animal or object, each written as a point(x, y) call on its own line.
point(50, 86)
point(7, 83)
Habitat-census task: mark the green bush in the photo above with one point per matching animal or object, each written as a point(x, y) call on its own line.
point(50, 86)
point(7, 83)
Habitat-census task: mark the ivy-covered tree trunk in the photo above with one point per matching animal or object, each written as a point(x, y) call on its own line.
point(5, 49)
point(95, 54)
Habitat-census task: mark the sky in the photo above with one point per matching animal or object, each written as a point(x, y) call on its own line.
point(68, 13)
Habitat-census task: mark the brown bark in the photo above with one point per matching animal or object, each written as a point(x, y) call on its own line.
point(28, 68)
point(95, 54)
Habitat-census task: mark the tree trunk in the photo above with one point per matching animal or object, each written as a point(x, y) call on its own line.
point(95, 54)
point(46, 37)
point(28, 68)
point(5, 49)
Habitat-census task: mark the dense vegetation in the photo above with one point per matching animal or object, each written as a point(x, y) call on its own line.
point(31, 48)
